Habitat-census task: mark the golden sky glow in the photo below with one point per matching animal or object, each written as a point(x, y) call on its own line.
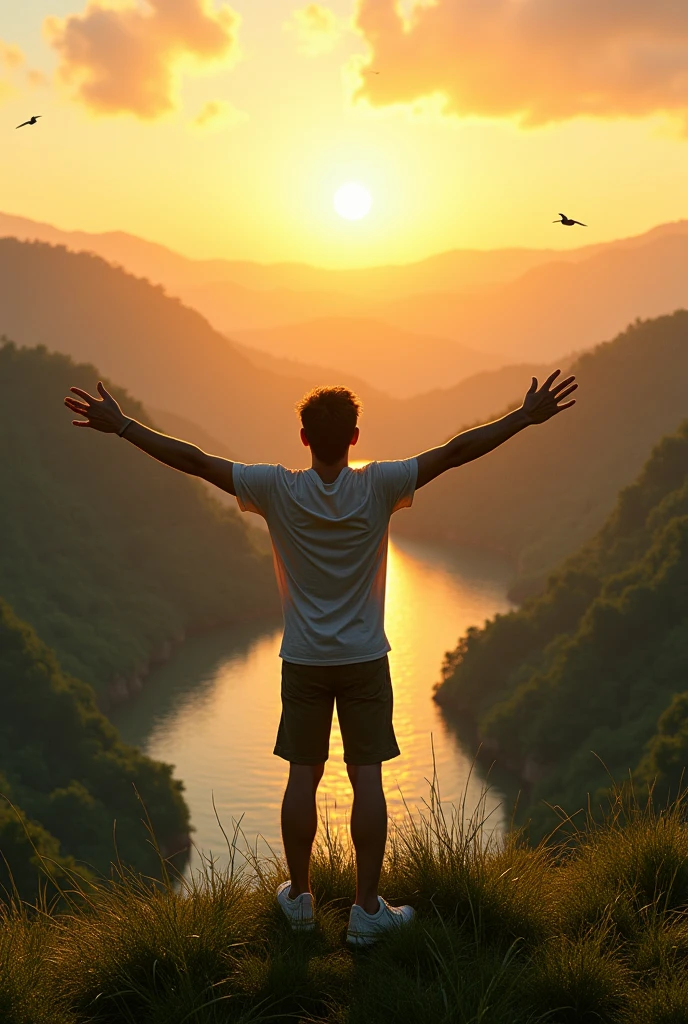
point(225, 129)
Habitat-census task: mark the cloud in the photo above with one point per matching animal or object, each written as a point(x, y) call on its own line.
point(11, 57)
point(14, 71)
point(125, 59)
point(218, 114)
point(538, 60)
point(317, 29)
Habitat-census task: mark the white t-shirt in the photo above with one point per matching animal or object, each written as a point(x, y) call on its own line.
point(330, 548)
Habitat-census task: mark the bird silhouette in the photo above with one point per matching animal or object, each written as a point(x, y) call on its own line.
point(31, 121)
point(568, 221)
point(370, 72)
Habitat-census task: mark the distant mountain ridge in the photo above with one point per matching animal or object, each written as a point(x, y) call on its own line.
point(558, 307)
point(390, 358)
point(503, 306)
point(534, 500)
point(172, 359)
point(474, 268)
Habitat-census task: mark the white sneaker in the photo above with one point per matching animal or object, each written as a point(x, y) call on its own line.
point(299, 912)
point(364, 929)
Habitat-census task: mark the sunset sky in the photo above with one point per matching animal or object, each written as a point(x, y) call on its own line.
point(226, 129)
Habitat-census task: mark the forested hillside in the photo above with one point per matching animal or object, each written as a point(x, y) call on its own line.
point(107, 554)
point(597, 666)
point(547, 491)
point(69, 776)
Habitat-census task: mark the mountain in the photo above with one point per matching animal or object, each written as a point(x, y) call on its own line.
point(513, 304)
point(454, 270)
point(233, 308)
point(109, 555)
point(64, 767)
point(559, 307)
point(167, 354)
point(173, 360)
point(457, 270)
point(590, 677)
point(388, 358)
point(540, 496)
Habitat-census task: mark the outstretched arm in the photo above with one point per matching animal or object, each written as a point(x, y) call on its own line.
point(538, 406)
point(104, 414)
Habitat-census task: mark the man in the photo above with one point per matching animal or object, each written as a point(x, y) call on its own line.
point(329, 527)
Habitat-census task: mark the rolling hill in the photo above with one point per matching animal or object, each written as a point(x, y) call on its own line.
point(545, 492)
point(388, 358)
point(70, 777)
point(590, 677)
point(108, 555)
point(509, 305)
point(171, 358)
point(559, 307)
point(455, 270)
point(535, 501)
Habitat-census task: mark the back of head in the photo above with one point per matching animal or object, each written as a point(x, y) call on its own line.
point(329, 416)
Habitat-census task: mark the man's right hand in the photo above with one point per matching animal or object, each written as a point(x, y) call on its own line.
point(101, 413)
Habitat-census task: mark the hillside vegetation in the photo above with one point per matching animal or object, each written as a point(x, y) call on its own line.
point(107, 554)
point(70, 778)
point(592, 931)
point(590, 677)
point(547, 491)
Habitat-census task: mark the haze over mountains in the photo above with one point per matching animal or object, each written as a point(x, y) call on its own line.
point(496, 307)
point(545, 492)
point(418, 361)
point(205, 387)
point(173, 360)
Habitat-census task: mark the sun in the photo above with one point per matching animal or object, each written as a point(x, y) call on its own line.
point(352, 201)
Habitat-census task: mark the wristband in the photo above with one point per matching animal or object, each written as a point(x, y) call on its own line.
point(128, 423)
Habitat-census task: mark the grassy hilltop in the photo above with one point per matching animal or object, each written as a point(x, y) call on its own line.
point(592, 930)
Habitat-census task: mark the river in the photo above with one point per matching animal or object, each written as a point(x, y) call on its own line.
point(212, 711)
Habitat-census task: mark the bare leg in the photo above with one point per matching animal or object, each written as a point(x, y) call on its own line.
point(300, 823)
point(368, 831)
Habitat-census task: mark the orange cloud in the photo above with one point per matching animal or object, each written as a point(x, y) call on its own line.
point(124, 59)
point(538, 60)
point(13, 71)
point(11, 57)
point(316, 28)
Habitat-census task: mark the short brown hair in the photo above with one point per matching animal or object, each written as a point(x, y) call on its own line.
point(329, 417)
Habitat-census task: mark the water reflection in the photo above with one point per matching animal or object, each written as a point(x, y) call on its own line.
point(213, 710)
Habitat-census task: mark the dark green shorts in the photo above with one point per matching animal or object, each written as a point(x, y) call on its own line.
point(363, 694)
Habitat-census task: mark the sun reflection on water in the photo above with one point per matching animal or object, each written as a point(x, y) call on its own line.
point(215, 715)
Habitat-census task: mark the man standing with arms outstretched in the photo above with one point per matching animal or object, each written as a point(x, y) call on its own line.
point(329, 527)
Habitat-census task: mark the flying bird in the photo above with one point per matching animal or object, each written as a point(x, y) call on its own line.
point(370, 72)
point(568, 221)
point(31, 121)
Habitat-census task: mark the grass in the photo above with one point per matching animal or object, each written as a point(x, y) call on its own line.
point(592, 927)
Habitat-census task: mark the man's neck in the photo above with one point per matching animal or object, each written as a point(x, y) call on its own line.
point(328, 474)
